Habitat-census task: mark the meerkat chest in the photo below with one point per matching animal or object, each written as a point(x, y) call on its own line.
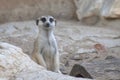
point(48, 46)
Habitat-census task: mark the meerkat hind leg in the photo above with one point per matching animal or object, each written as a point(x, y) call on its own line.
point(33, 57)
point(40, 60)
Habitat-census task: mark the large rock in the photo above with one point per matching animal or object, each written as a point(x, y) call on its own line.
point(15, 65)
point(88, 10)
point(111, 9)
point(13, 61)
point(91, 11)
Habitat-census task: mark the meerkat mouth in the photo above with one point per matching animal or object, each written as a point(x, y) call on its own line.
point(47, 25)
point(47, 28)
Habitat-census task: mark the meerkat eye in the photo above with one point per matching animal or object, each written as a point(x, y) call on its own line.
point(51, 20)
point(43, 19)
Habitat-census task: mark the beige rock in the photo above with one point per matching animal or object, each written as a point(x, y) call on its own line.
point(87, 7)
point(116, 9)
point(13, 60)
point(92, 11)
point(44, 75)
point(15, 65)
point(111, 9)
point(88, 10)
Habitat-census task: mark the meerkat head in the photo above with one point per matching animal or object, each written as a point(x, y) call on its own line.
point(48, 22)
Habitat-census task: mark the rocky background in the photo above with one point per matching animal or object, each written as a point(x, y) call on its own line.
point(89, 11)
point(87, 32)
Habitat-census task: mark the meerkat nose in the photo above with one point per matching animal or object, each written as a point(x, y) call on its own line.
point(47, 24)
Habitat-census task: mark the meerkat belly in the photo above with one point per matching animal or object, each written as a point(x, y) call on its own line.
point(48, 54)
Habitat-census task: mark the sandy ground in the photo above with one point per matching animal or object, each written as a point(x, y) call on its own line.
point(77, 43)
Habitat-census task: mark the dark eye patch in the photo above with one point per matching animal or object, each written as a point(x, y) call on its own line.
point(51, 20)
point(43, 19)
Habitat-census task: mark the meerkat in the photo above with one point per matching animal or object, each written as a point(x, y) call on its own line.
point(45, 50)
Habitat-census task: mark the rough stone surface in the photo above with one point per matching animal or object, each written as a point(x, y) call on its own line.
point(108, 69)
point(15, 65)
point(88, 11)
point(44, 75)
point(92, 11)
point(13, 61)
point(79, 70)
point(111, 9)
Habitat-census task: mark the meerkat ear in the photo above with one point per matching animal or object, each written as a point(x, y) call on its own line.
point(37, 22)
point(55, 22)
